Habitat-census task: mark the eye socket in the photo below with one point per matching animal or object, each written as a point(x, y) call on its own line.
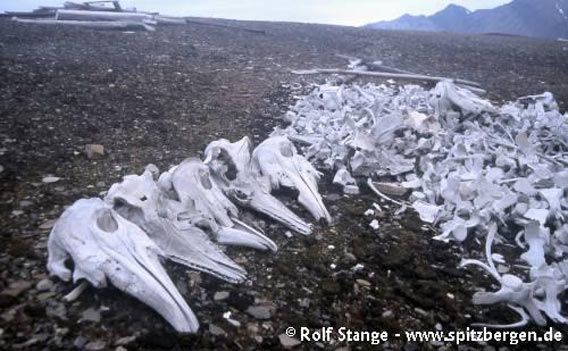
point(286, 149)
point(204, 179)
point(106, 222)
point(241, 195)
point(143, 198)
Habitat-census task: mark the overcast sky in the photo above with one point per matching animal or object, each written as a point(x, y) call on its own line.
point(344, 12)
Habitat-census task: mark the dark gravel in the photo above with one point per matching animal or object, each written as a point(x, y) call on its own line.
point(161, 97)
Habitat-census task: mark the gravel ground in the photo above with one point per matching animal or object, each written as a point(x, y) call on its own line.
point(161, 97)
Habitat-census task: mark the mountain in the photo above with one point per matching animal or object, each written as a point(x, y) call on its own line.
point(533, 18)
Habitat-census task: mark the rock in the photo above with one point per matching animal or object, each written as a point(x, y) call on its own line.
point(25, 203)
point(288, 342)
point(120, 348)
point(17, 288)
point(221, 295)
point(47, 224)
point(17, 213)
point(94, 151)
point(80, 341)
point(363, 282)
point(259, 312)
point(95, 345)
point(330, 286)
point(91, 315)
point(50, 179)
point(44, 285)
point(216, 331)
point(387, 314)
point(56, 309)
point(125, 340)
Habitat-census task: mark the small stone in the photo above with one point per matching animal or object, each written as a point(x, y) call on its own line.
point(47, 224)
point(125, 340)
point(216, 331)
point(25, 203)
point(45, 296)
point(221, 295)
point(259, 312)
point(363, 282)
point(91, 315)
point(288, 342)
point(57, 310)
point(44, 285)
point(17, 213)
point(17, 288)
point(369, 212)
point(120, 348)
point(95, 345)
point(387, 314)
point(420, 311)
point(80, 341)
point(94, 151)
point(50, 179)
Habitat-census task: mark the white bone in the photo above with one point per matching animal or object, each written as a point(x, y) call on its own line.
point(277, 159)
point(138, 199)
point(230, 163)
point(193, 186)
point(103, 245)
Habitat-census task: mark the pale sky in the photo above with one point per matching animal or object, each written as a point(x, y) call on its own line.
point(342, 12)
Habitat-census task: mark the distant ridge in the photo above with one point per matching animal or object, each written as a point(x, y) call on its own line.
point(533, 18)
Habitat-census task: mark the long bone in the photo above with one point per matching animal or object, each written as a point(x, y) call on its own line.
point(277, 159)
point(104, 246)
point(138, 199)
point(230, 164)
point(191, 183)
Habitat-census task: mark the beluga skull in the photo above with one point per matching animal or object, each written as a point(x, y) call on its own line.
point(190, 182)
point(230, 165)
point(138, 199)
point(276, 159)
point(106, 247)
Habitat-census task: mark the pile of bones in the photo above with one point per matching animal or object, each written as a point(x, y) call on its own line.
point(495, 174)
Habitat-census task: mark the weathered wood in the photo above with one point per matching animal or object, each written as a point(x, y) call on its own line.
point(169, 20)
point(80, 15)
point(116, 25)
point(87, 6)
point(375, 66)
point(411, 77)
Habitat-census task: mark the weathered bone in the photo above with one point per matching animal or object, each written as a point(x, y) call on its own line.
point(277, 159)
point(103, 245)
point(192, 185)
point(230, 164)
point(138, 199)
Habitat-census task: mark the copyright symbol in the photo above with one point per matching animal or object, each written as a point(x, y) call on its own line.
point(290, 331)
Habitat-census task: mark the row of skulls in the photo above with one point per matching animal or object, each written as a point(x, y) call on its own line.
point(181, 215)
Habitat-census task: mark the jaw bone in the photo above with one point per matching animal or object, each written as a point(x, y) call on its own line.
point(230, 164)
point(104, 245)
point(191, 184)
point(139, 200)
point(277, 159)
